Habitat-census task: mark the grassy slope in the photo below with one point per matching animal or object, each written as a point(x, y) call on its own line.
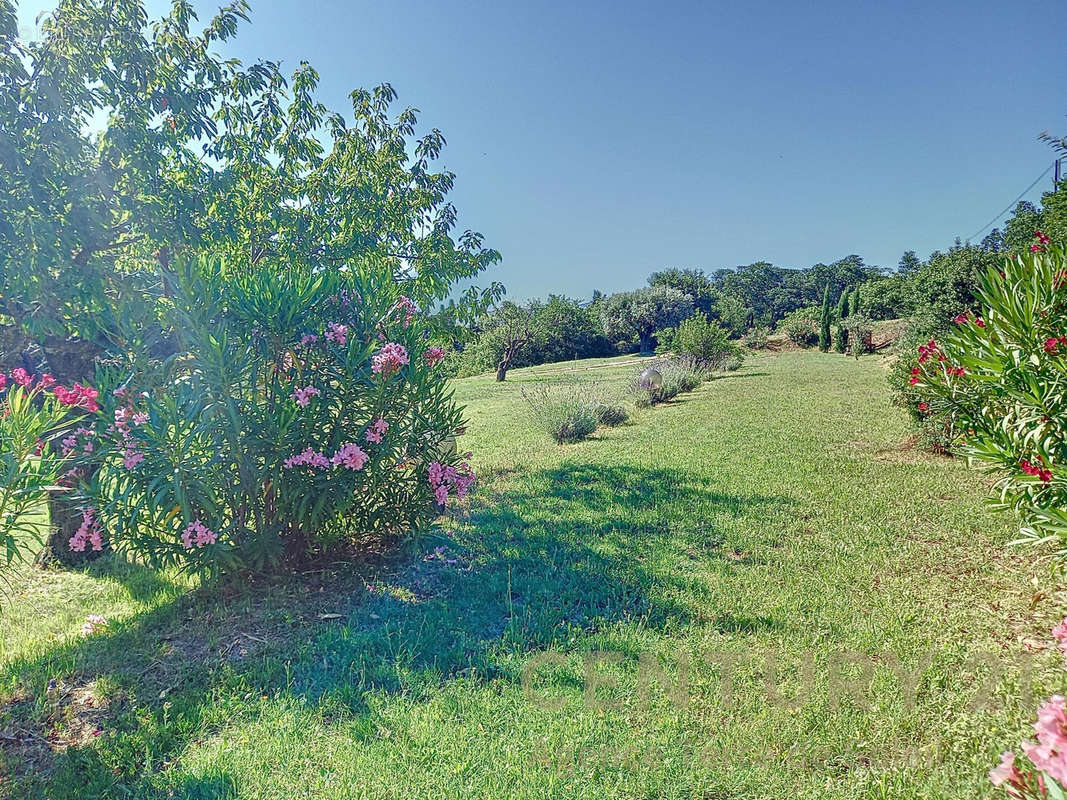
point(770, 512)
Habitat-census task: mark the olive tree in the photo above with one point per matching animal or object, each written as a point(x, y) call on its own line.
point(641, 313)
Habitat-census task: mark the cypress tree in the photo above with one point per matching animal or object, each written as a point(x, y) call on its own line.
point(842, 313)
point(855, 301)
point(824, 321)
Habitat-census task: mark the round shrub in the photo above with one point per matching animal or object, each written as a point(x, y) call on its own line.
point(563, 412)
point(302, 413)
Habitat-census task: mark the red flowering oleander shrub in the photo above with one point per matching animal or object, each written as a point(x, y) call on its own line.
point(999, 383)
point(301, 413)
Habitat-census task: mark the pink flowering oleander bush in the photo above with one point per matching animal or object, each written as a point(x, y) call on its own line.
point(37, 438)
point(1041, 771)
point(302, 413)
point(998, 385)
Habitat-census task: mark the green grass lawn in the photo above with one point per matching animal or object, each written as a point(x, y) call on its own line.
point(773, 520)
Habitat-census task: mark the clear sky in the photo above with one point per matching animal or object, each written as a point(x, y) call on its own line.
point(595, 142)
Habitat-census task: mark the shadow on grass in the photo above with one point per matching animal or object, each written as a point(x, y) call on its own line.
point(561, 555)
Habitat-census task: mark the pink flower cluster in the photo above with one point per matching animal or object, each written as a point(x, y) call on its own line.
point(303, 396)
point(1059, 633)
point(376, 430)
point(309, 458)
point(406, 305)
point(197, 534)
point(124, 416)
point(336, 333)
point(1039, 245)
point(88, 533)
point(1048, 754)
point(350, 456)
point(79, 396)
point(70, 443)
point(308, 338)
point(94, 624)
point(443, 478)
point(389, 359)
point(434, 355)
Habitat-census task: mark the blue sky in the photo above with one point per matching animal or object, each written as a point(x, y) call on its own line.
point(596, 142)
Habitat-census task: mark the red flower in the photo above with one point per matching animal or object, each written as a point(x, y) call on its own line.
point(21, 377)
point(3, 380)
point(1051, 344)
point(46, 380)
point(1036, 248)
point(924, 406)
point(1042, 238)
point(78, 397)
point(1042, 473)
point(979, 322)
point(960, 319)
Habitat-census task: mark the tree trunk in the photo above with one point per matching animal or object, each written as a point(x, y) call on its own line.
point(501, 371)
point(646, 344)
point(64, 519)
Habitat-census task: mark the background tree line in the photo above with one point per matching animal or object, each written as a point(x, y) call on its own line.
point(761, 295)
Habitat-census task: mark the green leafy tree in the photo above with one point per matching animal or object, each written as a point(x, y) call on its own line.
point(946, 285)
point(1020, 227)
point(886, 298)
point(564, 330)
point(824, 321)
point(107, 171)
point(511, 327)
point(692, 282)
point(704, 341)
point(909, 264)
point(126, 146)
point(641, 313)
point(731, 313)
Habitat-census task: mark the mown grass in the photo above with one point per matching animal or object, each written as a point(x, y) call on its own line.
point(532, 647)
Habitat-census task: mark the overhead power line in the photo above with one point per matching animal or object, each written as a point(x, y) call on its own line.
point(1010, 205)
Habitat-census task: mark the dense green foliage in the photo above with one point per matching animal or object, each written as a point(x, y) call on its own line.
point(802, 327)
point(704, 341)
point(841, 340)
point(301, 413)
point(824, 321)
point(31, 462)
point(559, 329)
point(637, 315)
point(190, 152)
